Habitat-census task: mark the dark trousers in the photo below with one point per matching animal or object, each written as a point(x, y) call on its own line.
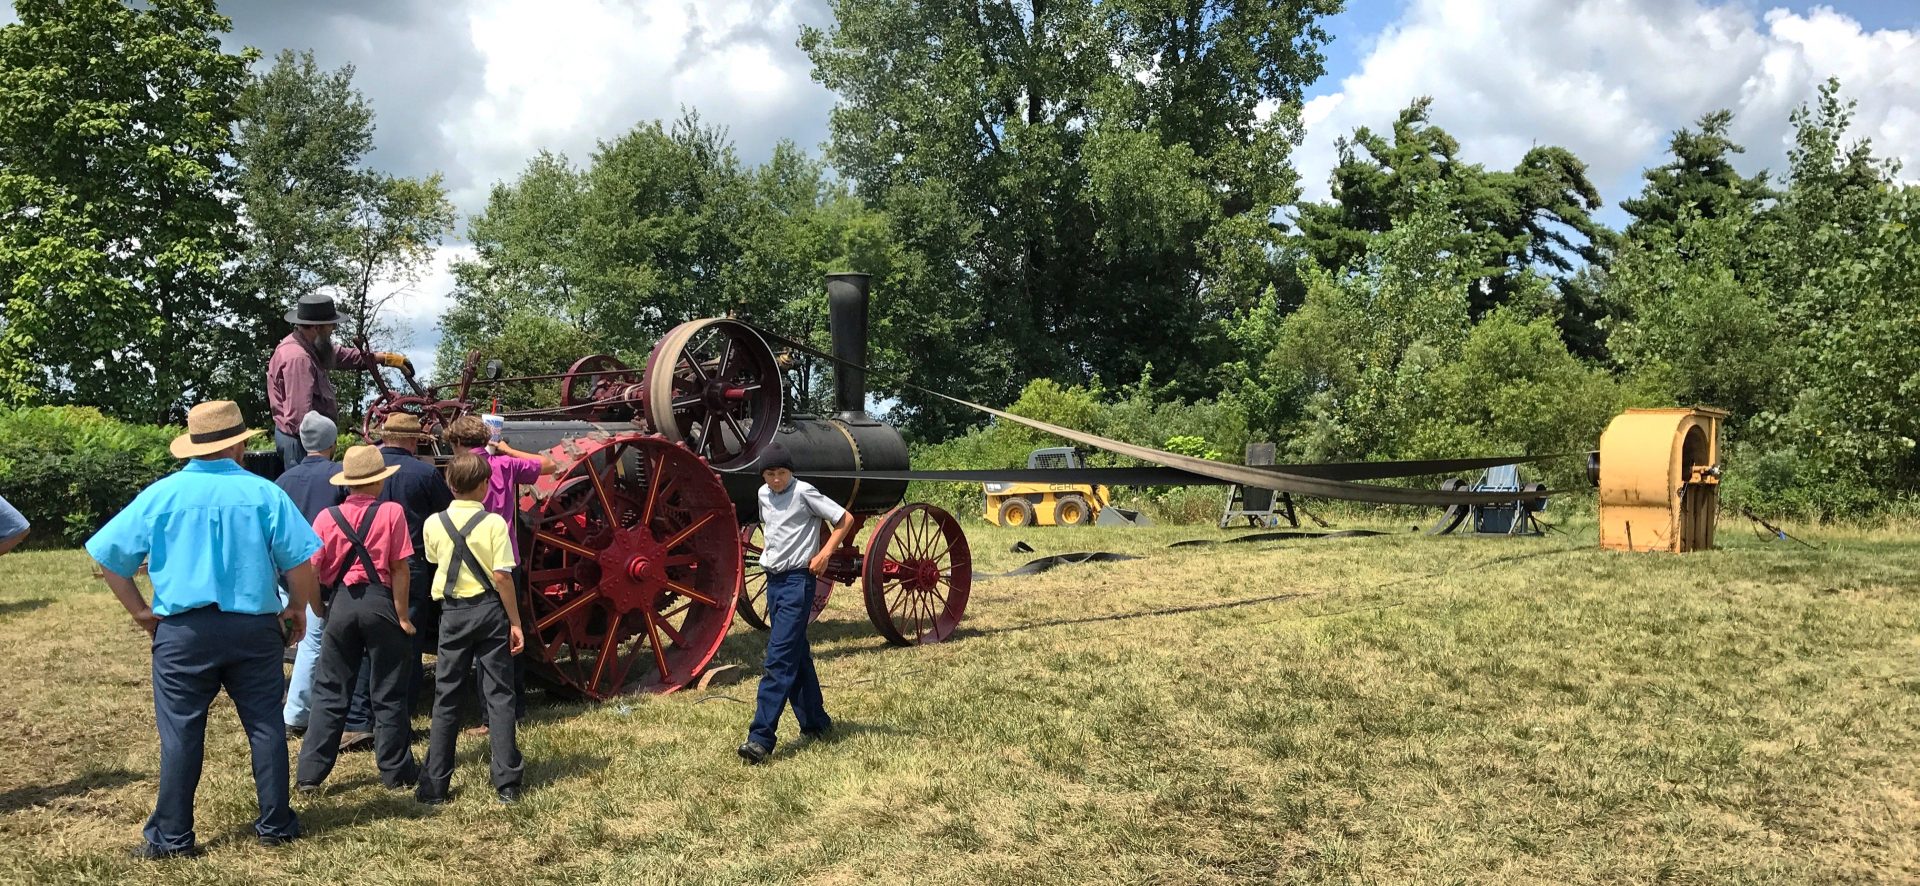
point(788, 675)
point(361, 624)
point(473, 634)
point(424, 612)
point(292, 451)
point(195, 654)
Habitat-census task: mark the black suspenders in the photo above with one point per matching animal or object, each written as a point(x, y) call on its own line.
point(463, 555)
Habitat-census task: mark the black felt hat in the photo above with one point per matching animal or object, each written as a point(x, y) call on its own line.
point(314, 310)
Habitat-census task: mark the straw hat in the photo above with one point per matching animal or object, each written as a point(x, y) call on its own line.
point(211, 427)
point(363, 464)
point(401, 424)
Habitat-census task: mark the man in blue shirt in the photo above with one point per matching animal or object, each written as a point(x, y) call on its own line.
point(310, 485)
point(13, 527)
point(216, 540)
point(421, 492)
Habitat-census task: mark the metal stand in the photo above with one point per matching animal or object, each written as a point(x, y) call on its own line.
point(1261, 507)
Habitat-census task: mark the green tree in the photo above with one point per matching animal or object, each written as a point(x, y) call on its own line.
point(303, 134)
point(1698, 184)
point(116, 243)
point(1106, 170)
point(665, 225)
point(317, 217)
point(1353, 363)
point(1513, 225)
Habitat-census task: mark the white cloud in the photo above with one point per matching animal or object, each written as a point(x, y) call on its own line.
point(1611, 79)
point(564, 75)
point(418, 303)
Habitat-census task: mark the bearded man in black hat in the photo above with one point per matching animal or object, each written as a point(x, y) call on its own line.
point(297, 375)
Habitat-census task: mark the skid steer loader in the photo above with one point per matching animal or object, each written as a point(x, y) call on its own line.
point(1056, 504)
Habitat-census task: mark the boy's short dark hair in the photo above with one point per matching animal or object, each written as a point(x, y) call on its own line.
point(469, 432)
point(468, 471)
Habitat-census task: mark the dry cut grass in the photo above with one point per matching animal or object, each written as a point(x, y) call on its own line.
point(1394, 709)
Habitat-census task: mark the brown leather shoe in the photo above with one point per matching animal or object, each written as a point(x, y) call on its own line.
point(476, 730)
point(356, 741)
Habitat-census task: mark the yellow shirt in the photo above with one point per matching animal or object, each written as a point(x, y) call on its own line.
point(488, 542)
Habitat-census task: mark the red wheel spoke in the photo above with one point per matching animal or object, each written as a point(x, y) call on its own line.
point(609, 650)
point(739, 433)
point(655, 483)
point(659, 652)
point(684, 534)
point(699, 375)
point(726, 358)
point(666, 628)
point(565, 544)
point(688, 592)
point(600, 489)
point(569, 608)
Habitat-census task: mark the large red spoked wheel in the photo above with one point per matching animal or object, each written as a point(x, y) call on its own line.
point(633, 567)
point(917, 575)
point(713, 385)
point(752, 605)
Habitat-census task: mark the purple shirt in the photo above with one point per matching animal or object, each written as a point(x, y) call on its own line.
point(297, 382)
point(503, 490)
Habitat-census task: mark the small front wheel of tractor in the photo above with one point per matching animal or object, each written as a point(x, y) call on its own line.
point(1071, 510)
point(1016, 512)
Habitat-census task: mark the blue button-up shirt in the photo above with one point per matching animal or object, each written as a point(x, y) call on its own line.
point(419, 489)
point(212, 535)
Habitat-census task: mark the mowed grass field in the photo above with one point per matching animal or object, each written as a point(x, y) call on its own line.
point(1390, 709)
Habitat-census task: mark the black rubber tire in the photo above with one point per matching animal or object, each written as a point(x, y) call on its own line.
point(1452, 517)
point(1073, 505)
point(1016, 512)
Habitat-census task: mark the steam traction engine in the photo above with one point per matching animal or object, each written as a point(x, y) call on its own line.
point(641, 548)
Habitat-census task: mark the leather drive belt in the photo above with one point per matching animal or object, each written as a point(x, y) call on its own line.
point(1220, 472)
point(1361, 470)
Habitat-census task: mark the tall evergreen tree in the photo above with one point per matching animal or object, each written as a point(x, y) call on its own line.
point(1535, 219)
point(1698, 183)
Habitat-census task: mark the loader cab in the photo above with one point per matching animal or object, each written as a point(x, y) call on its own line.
point(1058, 457)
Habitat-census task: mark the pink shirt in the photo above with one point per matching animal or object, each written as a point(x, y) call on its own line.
point(387, 540)
point(503, 490)
point(296, 382)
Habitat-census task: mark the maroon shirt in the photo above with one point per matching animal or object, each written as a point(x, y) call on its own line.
point(297, 383)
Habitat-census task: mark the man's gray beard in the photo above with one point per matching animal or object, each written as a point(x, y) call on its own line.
point(323, 351)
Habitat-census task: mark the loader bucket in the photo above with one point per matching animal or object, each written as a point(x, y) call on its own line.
point(1112, 516)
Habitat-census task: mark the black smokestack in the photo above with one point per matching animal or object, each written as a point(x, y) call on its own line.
point(847, 321)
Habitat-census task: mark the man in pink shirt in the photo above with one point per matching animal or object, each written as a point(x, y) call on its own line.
point(297, 380)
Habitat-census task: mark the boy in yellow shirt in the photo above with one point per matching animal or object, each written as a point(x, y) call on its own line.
point(479, 628)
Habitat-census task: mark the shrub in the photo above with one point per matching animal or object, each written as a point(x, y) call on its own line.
point(70, 468)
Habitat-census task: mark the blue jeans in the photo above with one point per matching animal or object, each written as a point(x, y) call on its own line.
point(300, 685)
point(788, 676)
point(195, 655)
